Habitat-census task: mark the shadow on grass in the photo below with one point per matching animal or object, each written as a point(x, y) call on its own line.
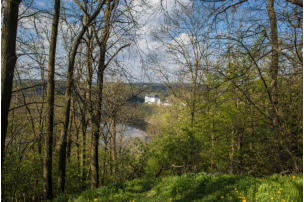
point(212, 189)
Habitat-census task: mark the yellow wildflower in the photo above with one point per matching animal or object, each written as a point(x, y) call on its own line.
point(95, 199)
point(244, 200)
point(279, 192)
point(293, 177)
point(235, 188)
point(281, 189)
point(170, 199)
point(133, 201)
point(271, 198)
point(236, 191)
point(283, 200)
point(222, 197)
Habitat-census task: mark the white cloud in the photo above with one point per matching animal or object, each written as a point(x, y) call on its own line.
point(183, 38)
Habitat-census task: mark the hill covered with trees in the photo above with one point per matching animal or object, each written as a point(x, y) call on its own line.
point(74, 77)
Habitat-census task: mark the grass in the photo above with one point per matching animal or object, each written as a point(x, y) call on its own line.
point(198, 187)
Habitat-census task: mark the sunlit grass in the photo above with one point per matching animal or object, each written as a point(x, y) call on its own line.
point(200, 187)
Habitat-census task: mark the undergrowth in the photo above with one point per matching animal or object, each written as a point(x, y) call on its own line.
point(198, 187)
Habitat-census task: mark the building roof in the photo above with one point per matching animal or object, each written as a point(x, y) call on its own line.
point(151, 96)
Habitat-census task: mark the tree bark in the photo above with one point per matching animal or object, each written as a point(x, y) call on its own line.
point(296, 2)
point(273, 90)
point(47, 167)
point(83, 150)
point(69, 142)
point(212, 152)
point(88, 102)
point(96, 118)
point(231, 156)
point(274, 66)
point(8, 62)
point(68, 96)
point(114, 153)
point(77, 144)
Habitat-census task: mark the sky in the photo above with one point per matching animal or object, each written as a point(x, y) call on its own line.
point(147, 15)
point(136, 59)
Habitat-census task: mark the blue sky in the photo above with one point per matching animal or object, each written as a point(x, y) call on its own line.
point(149, 19)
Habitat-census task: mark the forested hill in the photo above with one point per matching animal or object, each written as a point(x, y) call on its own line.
point(37, 87)
point(215, 85)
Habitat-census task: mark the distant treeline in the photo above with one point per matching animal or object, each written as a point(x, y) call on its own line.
point(36, 87)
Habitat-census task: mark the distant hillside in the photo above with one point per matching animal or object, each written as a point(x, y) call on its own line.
point(35, 87)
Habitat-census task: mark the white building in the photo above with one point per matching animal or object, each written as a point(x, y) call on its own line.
point(149, 99)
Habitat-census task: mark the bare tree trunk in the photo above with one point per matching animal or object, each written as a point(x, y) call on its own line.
point(42, 118)
point(83, 149)
point(110, 156)
point(87, 106)
point(47, 167)
point(69, 142)
point(273, 90)
point(193, 101)
point(77, 145)
point(232, 154)
point(94, 158)
point(104, 163)
point(274, 67)
point(252, 130)
point(68, 96)
point(89, 70)
point(96, 118)
point(239, 148)
point(114, 154)
point(8, 62)
point(84, 126)
point(63, 144)
point(88, 98)
point(212, 152)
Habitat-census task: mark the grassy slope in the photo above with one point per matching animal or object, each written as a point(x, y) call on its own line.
point(199, 187)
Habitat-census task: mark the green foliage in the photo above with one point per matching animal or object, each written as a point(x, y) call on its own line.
point(64, 198)
point(199, 187)
point(139, 185)
point(21, 179)
point(169, 149)
point(289, 188)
